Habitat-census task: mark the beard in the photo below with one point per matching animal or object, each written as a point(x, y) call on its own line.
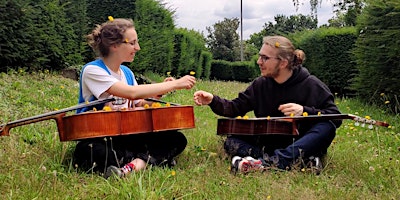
point(274, 73)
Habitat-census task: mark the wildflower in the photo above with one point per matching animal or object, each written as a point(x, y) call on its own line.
point(387, 102)
point(110, 18)
point(269, 197)
point(305, 114)
point(277, 44)
point(62, 87)
point(192, 73)
point(173, 173)
point(107, 108)
point(367, 117)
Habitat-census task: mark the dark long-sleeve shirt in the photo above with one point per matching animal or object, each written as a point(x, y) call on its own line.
point(265, 95)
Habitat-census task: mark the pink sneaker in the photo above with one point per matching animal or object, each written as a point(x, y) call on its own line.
point(246, 164)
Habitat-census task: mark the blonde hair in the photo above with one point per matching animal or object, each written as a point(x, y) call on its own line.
point(286, 50)
point(108, 34)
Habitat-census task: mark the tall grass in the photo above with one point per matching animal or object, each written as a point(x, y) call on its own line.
point(361, 163)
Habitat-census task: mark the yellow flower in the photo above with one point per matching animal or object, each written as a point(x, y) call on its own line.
point(268, 117)
point(146, 106)
point(62, 87)
point(169, 73)
point(173, 173)
point(192, 73)
point(245, 117)
point(110, 18)
point(107, 108)
point(382, 94)
point(387, 102)
point(94, 109)
point(291, 114)
point(367, 117)
point(277, 44)
point(239, 117)
point(319, 114)
point(167, 104)
point(305, 114)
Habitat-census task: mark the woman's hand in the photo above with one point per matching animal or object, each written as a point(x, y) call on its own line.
point(186, 82)
point(202, 98)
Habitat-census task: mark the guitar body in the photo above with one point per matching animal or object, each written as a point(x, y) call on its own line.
point(281, 125)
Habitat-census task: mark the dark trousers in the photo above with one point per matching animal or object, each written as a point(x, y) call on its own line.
point(284, 150)
point(159, 148)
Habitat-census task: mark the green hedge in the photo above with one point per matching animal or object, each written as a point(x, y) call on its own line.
point(329, 56)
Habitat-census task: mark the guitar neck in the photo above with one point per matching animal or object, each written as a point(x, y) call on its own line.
point(329, 117)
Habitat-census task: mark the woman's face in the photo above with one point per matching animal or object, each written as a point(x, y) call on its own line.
point(130, 45)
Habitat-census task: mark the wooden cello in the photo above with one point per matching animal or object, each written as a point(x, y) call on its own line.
point(97, 123)
point(282, 125)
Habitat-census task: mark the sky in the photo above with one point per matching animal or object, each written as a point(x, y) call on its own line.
point(199, 14)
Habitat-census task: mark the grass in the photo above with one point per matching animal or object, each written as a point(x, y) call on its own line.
point(361, 163)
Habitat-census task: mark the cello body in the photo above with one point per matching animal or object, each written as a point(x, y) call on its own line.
point(125, 122)
point(94, 124)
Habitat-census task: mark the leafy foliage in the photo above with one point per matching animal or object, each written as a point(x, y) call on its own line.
point(36, 35)
point(223, 40)
point(283, 26)
point(377, 53)
point(328, 56)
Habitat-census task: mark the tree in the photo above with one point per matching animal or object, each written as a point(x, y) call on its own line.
point(223, 40)
point(283, 26)
point(377, 52)
point(346, 13)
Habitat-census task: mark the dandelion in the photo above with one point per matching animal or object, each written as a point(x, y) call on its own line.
point(192, 73)
point(107, 108)
point(269, 197)
point(367, 117)
point(173, 173)
point(110, 18)
point(62, 87)
point(305, 114)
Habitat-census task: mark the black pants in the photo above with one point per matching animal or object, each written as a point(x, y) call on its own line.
point(158, 149)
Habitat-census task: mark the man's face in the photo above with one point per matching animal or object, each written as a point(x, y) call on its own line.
point(268, 61)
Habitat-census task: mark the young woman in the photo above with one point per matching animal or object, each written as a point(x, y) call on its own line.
point(115, 42)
